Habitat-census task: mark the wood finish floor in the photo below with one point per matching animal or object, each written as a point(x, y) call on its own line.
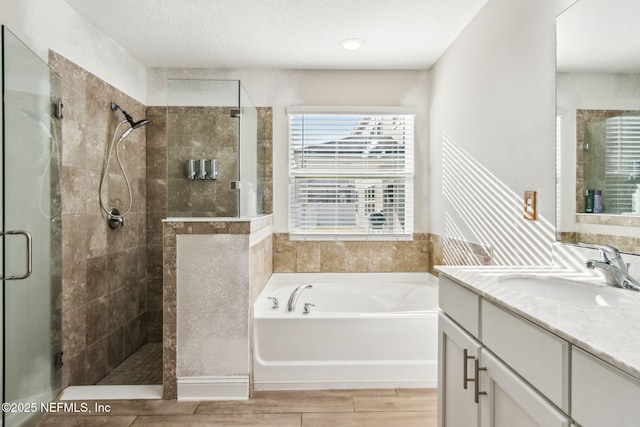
point(334, 408)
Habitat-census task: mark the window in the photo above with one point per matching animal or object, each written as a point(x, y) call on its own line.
point(622, 162)
point(350, 172)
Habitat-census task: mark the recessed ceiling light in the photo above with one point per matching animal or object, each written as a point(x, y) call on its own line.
point(352, 44)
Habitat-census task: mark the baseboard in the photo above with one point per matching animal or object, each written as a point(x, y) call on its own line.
point(340, 385)
point(213, 388)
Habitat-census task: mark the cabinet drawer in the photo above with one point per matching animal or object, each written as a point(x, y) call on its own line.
point(602, 395)
point(538, 356)
point(460, 304)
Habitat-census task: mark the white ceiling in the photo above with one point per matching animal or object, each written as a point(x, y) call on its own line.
point(293, 34)
point(600, 36)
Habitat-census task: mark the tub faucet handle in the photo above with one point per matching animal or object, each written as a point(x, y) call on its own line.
point(275, 303)
point(307, 308)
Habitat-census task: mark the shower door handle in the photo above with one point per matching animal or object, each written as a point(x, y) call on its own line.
point(29, 254)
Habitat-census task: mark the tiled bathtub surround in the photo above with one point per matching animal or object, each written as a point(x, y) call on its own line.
point(419, 255)
point(244, 271)
point(104, 271)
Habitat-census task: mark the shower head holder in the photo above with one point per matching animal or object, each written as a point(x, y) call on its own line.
point(127, 116)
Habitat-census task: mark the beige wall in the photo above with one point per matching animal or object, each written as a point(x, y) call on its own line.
point(104, 271)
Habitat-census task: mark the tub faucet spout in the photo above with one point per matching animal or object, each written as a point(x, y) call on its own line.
point(291, 304)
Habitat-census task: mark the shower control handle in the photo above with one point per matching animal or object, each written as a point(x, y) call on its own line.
point(27, 236)
point(275, 303)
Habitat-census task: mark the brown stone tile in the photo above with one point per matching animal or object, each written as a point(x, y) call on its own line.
point(284, 254)
point(380, 256)
point(96, 278)
point(74, 280)
point(332, 257)
point(156, 162)
point(239, 420)
point(75, 243)
point(371, 419)
point(276, 406)
point(156, 195)
point(356, 256)
point(96, 361)
point(115, 349)
point(169, 361)
point(96, 320)
point(308, 257)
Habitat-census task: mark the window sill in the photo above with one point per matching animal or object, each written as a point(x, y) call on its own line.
point(350, 237)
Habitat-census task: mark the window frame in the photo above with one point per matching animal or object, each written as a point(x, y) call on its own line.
point(405, 179)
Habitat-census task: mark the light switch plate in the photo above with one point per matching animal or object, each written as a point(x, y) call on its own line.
point(530, 209)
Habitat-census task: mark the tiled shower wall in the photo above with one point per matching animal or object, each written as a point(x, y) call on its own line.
point(201, 133)
point(157, 190)
point(104, 271)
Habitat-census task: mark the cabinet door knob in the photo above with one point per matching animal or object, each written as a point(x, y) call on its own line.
point(477, 391)
point(465, 378)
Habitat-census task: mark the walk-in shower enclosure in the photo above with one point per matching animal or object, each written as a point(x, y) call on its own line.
point(215, 166)
point(31, 234)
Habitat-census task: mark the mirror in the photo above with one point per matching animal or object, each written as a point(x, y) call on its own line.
point(598, 106)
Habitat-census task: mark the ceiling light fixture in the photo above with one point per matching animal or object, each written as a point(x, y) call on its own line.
point(352, 44)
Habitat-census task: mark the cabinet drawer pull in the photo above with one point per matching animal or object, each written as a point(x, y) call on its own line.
point(477, 370)
point(465, 357)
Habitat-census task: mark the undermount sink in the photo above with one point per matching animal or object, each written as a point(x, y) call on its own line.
point(564, 290)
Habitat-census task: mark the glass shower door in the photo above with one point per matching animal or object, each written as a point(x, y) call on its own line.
point(31, 234)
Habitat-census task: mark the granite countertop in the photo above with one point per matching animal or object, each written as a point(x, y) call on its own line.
point(610, 333)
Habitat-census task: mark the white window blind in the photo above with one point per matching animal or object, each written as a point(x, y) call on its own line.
point(350, 173)
point(622, 162)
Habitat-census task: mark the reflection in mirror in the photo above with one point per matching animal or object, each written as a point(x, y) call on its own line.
point(608, 148)
point(598, 122)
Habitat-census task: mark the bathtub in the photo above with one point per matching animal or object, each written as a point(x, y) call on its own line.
point(365, 330)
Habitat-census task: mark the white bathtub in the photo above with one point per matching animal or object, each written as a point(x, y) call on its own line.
point(366, 330)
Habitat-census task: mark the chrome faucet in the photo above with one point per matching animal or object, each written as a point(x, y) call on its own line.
point(291, 304)
point(614, 270)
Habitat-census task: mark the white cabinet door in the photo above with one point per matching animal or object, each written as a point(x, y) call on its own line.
point(602, 395)
point(506, 400)
point(457, 351)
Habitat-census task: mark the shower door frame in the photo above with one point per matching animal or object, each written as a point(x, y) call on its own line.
point(29, 207)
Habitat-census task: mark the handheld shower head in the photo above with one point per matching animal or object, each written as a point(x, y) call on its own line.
point(127, 116)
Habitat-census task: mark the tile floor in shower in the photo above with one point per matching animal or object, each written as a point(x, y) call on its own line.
point(144, 367)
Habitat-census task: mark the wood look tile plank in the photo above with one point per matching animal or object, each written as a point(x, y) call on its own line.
point(370, 419)
point(278, 406)
point(87, 421)
point(139, 407)
point(287, 394)
point(417, 391)
point(238, 420)
point(399, 403)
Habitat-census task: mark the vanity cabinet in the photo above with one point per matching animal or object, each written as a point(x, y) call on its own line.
point(602, 395)
point(458, 351)
point(476, 386)
point(509, 401)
